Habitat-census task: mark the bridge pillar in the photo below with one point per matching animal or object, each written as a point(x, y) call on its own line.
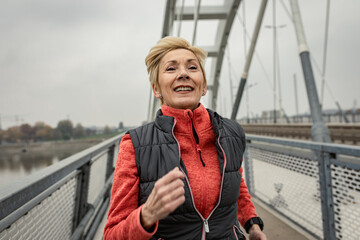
point(319, 131)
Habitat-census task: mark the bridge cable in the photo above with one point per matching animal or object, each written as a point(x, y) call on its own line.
point(325, 51)
point(281, 109)
point(230, 75)
point(196, 18)
point(286, 10)
point(244, 29)
point(319, 72)
point(256, 54)
point(180, 17)
point(245, 55)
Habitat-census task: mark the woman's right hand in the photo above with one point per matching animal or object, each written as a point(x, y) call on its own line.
point(167, 195)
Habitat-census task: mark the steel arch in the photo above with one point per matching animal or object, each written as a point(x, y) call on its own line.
point(225, 14)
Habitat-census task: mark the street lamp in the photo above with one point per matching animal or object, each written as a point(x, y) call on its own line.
point(275, 50)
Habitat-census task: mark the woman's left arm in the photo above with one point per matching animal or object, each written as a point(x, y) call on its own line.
point(246, 211)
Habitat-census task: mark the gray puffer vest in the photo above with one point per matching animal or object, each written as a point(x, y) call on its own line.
point(157, 152)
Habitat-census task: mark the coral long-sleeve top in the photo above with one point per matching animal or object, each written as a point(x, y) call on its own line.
point(124, 213)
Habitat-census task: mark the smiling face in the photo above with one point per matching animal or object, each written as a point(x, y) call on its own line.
point(181, 80)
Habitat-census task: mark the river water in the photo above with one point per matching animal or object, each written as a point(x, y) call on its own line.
point(17, 161)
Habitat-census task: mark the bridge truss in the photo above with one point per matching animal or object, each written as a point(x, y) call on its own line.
point(176, 12)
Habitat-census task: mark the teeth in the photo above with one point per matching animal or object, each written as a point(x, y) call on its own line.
point(183, 89)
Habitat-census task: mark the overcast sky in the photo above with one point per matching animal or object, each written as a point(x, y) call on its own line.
point(84, 60)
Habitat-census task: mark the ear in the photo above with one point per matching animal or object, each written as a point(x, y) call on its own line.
point(156, 91)
point(204, 90)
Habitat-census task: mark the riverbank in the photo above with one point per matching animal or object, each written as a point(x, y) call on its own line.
point(19, 160)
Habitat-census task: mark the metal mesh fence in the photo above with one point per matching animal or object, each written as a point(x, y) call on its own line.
point(52, 218)
point(289, 183)
point(62, 201)
point(346, 195)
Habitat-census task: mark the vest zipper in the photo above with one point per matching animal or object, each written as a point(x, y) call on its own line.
point(221, 186)
point(205, 221)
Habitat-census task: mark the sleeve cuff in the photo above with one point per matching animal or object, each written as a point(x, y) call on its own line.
point(142, 229)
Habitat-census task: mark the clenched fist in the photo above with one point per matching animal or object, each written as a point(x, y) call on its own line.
point(167, 195)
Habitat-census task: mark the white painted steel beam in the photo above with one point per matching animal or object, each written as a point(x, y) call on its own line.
point(225, 14)
point(206, 12)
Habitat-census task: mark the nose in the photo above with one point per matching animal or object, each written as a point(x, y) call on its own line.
point(183, 74)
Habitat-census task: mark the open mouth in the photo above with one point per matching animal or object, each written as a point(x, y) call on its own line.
point(183, 89)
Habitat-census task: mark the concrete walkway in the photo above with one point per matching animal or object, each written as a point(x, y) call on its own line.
point(276, 227)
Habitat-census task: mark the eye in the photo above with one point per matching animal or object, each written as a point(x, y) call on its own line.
point(170, 68)
point(193, 67)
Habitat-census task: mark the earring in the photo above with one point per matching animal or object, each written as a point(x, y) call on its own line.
point(203, 93)
point(160, 95)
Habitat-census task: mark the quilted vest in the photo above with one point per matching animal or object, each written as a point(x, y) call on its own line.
point(157, 152)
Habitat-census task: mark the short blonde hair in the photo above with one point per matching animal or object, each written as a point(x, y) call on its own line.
point(166, 45)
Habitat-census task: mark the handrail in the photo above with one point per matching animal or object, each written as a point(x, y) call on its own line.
point(328, 147)
point(21, 196)
point(319, 183)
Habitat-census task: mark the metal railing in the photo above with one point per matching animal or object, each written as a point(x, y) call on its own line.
point(339, 133)
point(314, 185)
point(351, 116)
point(63, 201)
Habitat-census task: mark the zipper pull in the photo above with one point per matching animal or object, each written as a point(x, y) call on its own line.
point(199, 151)
point(206, 226)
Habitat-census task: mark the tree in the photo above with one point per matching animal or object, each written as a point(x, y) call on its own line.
point(65, 127)
point(79, 131)
point(90, 132)
point(13, 134)
point(1, 135)
point(107, 130)
point(42, 131)
point(57, 134)
point(26, 132)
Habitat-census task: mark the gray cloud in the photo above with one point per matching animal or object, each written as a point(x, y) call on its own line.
point(85, 59)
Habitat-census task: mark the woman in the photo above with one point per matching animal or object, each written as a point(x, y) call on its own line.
point(179, 177)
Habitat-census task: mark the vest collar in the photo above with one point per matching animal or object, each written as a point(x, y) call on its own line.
point(198, 117)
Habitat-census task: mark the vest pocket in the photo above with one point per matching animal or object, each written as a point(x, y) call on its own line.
point(239, 235)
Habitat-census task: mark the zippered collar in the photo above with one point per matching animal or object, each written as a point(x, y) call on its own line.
point(165, 122)
point(187, 119)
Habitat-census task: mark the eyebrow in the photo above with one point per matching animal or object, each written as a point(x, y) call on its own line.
point(174, 61)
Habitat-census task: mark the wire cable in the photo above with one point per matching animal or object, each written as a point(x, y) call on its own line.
point(325, 51)
point(180, 17)
point(286, 10)
point(257, 55)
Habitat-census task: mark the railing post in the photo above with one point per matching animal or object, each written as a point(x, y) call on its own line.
point(327, 206)
point(81, 204)
point(109, 166)
point(248, 170)
point(110, 161)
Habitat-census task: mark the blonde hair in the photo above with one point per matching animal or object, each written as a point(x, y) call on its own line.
point(166, 45)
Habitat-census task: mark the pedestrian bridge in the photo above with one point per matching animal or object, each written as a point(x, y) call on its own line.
point(302, 188)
